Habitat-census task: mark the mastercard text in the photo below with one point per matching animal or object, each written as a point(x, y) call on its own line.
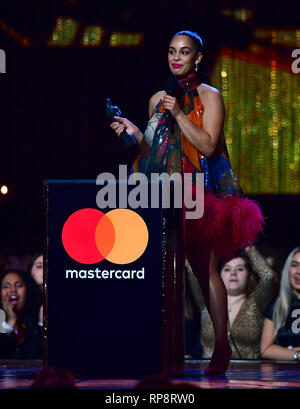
point(106, 274)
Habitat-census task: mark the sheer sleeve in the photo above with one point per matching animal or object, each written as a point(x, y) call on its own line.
point(265, 291)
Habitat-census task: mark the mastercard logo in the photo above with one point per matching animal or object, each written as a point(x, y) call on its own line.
point(119, 236)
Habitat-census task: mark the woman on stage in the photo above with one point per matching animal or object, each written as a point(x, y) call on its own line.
point(185, 134)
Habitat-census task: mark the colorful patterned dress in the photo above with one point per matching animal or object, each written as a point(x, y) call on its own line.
point(230, 221)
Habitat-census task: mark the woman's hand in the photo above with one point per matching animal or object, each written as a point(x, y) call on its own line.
point(171, 104)
point(204, 139)
point(120, 124)
point(10, 311)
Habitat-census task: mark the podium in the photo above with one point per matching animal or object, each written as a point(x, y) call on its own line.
point(111, 318)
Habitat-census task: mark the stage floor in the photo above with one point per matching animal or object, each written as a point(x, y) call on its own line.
point(240, 375)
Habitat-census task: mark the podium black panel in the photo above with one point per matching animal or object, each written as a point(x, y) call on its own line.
point(100, 327)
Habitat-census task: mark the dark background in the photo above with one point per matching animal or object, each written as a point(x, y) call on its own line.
point(52, 99)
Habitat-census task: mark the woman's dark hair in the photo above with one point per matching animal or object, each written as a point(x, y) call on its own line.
point(33, 259)
point(31, 305)
point(203, 71)
point(193, 36)
point(254, 278)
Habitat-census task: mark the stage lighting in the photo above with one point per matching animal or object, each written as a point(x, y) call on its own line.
point(92, 36)
point(119, 39)
point(240, 14)
point(4, 190)
point(64, 32)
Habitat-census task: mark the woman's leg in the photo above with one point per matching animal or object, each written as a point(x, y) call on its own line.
point(204, 266)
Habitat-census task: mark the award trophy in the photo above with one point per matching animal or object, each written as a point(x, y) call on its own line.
point(129, 145)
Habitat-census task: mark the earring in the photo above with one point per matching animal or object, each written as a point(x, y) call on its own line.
point(196, 67)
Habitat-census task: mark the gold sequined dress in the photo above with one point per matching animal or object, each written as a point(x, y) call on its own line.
point(246, 329)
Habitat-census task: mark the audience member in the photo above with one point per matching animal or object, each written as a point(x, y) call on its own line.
point(281, 331)
point(36, 273)
point(21, 336)
point(275, 257)
point(36, 269)
point(250, 286)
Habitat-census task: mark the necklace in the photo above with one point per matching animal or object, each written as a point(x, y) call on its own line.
point(235, 302)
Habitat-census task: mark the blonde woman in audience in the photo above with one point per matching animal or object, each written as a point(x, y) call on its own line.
point(281, 332)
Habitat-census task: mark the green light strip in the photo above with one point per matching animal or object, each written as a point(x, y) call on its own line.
point(64, 32)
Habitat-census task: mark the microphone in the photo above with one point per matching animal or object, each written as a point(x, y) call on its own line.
point(171, 84)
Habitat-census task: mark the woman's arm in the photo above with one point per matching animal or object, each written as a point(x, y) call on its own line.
point(123, 123)
point(259, 264)
point(205, 139)
point(265, 290)
point(269, 350)
point(154, 100)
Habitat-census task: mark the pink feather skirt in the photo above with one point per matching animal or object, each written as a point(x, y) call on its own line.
point(228, 225)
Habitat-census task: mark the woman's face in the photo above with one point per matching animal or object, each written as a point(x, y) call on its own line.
point(37, 270)
point(295, 272)
point(13, 291)
point(235, 276)
point(183, 56)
